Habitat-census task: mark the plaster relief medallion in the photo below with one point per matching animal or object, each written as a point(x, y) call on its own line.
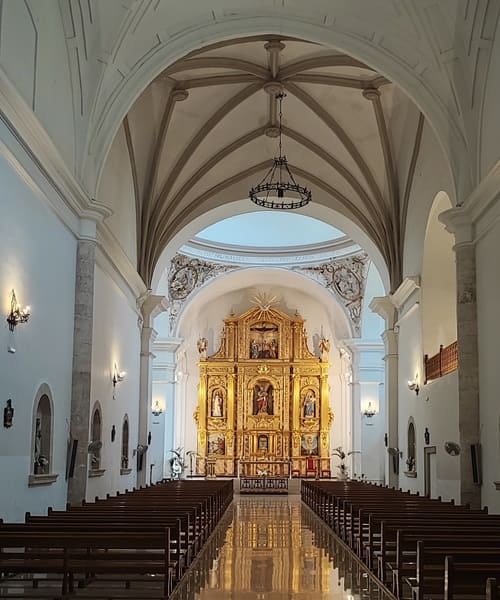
point(183, 283)
point(346, 283)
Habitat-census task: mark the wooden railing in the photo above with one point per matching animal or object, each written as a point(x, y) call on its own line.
point(442, 363)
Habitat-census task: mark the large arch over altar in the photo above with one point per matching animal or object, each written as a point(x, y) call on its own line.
point(263, 397)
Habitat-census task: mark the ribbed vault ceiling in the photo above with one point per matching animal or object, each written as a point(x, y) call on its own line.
point(206, 128)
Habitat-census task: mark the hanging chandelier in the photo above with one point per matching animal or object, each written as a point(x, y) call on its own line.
point(279, 189)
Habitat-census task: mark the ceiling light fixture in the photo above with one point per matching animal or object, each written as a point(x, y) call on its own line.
point(279, 189)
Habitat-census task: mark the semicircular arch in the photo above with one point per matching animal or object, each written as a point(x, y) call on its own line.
point(116, 100)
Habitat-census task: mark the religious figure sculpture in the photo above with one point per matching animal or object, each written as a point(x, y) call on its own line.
point(309, 404)
point(202, 347)
point(324, 346)
point(217, 404)
point(38, 445)
point(8, 414)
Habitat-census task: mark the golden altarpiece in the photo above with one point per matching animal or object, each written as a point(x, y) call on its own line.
point(263, 399)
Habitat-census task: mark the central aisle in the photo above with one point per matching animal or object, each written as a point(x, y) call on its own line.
point(274, 548)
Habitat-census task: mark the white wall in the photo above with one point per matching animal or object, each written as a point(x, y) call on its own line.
point(116, 340)
point(488, 292)
point(435, 407)
point(38, 261)
point(439, 282)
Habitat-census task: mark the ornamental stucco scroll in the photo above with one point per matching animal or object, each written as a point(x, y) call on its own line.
point(346, 279)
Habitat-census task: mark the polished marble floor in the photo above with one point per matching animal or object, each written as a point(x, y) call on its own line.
point(275, 548)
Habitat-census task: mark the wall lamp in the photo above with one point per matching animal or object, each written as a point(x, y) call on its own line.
point(17, 314)
point(413, 385)
point(118, 375)
point(157, 409)
point(369, 410)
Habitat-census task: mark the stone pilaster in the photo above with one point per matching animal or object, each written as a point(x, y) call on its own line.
point(460, 225)
point(150, 306)
point(82, 366)
point(384, 307)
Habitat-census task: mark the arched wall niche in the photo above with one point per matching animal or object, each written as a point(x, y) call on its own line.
point(439, 284)
point(96, 437)
point(111, 108)
point(43, 410)
point(229, 207)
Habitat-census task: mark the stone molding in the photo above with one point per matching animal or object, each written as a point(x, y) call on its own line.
point(42, 479)
point(96, 472)
point(470, 221)
point(125, 471)
point(400, 298)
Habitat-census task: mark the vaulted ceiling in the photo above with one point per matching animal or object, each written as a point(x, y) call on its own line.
point(205, 130)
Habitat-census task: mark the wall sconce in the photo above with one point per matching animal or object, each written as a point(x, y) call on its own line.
point(118, 375)
point(157, 410)
point(413, 385)
point(17, 314)
point(369, 410)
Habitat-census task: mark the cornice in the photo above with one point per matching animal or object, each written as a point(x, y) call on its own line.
point(478, 213)
point(384, 307)
point(408, 286)
point(167, 344)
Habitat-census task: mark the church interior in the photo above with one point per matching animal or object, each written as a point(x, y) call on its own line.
point(249, 276)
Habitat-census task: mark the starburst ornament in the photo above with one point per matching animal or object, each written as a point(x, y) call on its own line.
point(265, 302)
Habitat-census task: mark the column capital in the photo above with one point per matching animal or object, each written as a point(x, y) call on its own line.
point(458, 221)
point(151, 305)
point(384, 307)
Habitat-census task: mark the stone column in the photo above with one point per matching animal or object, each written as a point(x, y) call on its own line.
point(468, 361)
point(384, 307)
point(150, 306)
point(82, 353)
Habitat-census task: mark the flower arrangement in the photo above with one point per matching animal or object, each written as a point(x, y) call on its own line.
point(339, 453)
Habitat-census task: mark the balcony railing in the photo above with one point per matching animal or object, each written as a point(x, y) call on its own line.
point(442, 363)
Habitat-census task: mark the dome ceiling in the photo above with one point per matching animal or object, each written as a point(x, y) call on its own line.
point(205, 130)
point(267, 238)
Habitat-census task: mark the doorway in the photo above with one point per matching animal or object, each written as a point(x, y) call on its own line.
point(429, 470)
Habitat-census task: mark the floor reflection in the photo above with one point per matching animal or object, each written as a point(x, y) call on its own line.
point(275, 548)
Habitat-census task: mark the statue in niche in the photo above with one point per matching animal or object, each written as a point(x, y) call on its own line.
point(263, 443)
point(309, 404)
point(263, 398)
point(8, 414)
point(324, 347)
point(217, 404)
point(202, 347)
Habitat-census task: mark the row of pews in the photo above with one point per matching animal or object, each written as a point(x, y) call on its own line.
point(150, 534)
point(420, 548)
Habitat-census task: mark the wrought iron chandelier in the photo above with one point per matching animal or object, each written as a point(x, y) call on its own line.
point(279, 189)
